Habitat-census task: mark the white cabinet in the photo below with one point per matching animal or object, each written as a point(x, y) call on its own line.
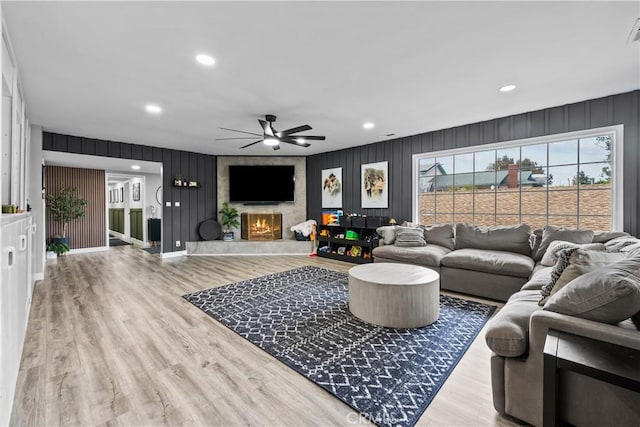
point(15, 299)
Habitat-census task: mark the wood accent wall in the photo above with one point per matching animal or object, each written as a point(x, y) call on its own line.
point(611, 110)
point(196, 204)
point(89, 231)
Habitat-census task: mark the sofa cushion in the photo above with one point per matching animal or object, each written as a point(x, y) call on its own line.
point(487, 261)
point(509, 238)
point(609, 294)
point(507, 332)
point(429, 255)
point(410, 237)
point(582, 261)
point(600, 236)
point(439, 234)
point(551, 255)
point(540, 277)
point(388, 233)
point(551, 233)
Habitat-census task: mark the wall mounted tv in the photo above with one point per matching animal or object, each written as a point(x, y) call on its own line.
point(263, 184)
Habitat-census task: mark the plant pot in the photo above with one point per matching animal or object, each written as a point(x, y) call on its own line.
point(51, 255)
point(61, 240)
point(228, 237)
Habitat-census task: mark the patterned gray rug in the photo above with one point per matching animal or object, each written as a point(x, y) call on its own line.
point(301, 318)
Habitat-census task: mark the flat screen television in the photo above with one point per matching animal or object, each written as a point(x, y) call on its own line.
point(263, 184)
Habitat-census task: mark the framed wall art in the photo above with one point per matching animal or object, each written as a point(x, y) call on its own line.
point(332, 188)
point(375, 185)
point(136, 192)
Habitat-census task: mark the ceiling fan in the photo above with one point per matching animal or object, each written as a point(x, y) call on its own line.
point(271, 137)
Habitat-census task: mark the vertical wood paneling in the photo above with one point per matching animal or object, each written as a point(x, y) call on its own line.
point(89, 231)
point(607, 111)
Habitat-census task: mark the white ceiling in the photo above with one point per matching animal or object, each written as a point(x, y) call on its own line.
point(88, 68)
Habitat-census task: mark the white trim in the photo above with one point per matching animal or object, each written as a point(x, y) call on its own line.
point(87, 250)
point(616, 131)
point(173, 254)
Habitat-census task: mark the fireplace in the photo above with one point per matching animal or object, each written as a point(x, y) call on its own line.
point(261, 226)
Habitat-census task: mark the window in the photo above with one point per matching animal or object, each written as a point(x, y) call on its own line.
point(571, 180)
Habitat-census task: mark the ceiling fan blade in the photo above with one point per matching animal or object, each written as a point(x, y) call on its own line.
point(291, 140)
point(276, 147)
point(241, 131)
point(268, 130)
point(295, 130)
point(310, 137)
point(253, 143)
point(243, 137)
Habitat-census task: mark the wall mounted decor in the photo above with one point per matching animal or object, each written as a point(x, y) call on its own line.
point(136, 192)
point(375, 185)
point(332, 188)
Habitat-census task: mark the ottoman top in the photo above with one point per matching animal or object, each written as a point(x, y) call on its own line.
point(389, 273)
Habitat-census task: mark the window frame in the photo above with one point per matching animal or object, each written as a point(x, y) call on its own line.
point(617, 184)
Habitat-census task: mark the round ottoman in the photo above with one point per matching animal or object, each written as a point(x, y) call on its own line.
point(394, 295)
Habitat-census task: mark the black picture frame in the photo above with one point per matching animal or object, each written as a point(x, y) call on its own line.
point(136, 192)
point(121, 194)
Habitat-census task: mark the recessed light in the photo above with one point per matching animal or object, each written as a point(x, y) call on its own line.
point(153, 109)
point(368, 125)
point(507, 88)
point(205, 59)
point(135, 167)
point(271, 141)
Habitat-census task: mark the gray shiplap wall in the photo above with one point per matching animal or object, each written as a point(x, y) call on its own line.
point(611, 110)
point(196, 205)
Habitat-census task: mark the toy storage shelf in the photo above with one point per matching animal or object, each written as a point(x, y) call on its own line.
point(334, 243)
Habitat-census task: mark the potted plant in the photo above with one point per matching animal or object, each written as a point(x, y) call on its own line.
point(64, 207)
point(57, 249)
point(229, 220)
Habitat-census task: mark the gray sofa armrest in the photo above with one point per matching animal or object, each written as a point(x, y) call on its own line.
point(541, 321)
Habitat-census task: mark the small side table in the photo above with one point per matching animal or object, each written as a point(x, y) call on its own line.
point(604, 361)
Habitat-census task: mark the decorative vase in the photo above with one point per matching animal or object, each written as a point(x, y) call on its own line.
point(228, 237)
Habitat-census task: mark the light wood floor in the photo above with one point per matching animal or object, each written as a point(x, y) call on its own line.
point(110, 341)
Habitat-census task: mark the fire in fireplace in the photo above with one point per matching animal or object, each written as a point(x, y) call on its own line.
point(261, 226)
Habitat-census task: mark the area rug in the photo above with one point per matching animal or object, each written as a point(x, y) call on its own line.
point(301, 317)
point(152, 249)
point(114, 241)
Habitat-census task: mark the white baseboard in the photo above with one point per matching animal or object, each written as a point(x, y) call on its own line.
point(254, 254)
point(173, 254)
point(38, 276)
point(86, 250)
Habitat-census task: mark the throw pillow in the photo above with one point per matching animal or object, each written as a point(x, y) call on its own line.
point(583, 261)
point(561, 264)
point(439, 234)
point(388, 233)
point(619, 243)
point(609, 294)
point(535, 239)
point(551, 255)
point(551, 233)
point(410, 237)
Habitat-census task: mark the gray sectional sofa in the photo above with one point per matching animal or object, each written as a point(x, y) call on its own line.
point(487, 262)
point(578, 282)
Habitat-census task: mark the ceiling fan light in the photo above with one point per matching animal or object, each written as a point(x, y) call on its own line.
point(271, 141)
point(300, 140)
